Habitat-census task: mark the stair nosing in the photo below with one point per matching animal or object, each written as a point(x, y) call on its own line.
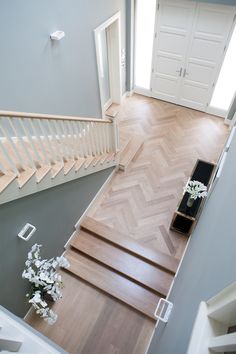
point(122, 274)
point(112, 294)
point(123, 247)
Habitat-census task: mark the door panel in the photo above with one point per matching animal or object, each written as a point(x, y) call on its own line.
point(206, 50)
point(173, 27)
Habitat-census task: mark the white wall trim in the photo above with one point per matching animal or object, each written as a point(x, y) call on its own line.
point(114, 48)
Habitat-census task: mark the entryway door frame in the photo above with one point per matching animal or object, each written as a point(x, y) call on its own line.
point(113, 30)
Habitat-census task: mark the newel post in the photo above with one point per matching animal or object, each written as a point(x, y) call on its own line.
point(115, 134)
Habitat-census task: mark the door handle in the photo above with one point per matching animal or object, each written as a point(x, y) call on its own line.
point(179, 71)
point(185, 73)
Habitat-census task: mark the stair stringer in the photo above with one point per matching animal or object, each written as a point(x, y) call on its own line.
point(13, 192)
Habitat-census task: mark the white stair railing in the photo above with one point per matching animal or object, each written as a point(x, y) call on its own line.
point(30, 140)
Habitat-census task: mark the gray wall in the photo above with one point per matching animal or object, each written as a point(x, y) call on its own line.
point(208, 266)
point(38, 75)
point(54, 212)
point(232, 110)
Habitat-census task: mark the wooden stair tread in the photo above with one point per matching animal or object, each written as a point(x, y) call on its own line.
point(112, 283)
point(42, 172)
point(127, 243)
point(5, 180)
point(130, 151)
point(25, 176)
point(68, 166)
point(88, 161)
point(56, 168)
point(79, 163)
point(126, 264)
point(113, 110)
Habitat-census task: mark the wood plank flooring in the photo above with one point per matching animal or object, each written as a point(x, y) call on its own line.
point(139, 202)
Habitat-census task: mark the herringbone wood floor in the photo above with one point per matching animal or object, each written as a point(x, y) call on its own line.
point(141, 201)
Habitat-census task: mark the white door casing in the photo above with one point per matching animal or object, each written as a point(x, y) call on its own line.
point(112, 29)
point(189, 48)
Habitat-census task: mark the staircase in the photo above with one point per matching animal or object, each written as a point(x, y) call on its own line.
point(120, 267)
point(39, 151)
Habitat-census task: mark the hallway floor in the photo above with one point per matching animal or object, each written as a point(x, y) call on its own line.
point(139, 202)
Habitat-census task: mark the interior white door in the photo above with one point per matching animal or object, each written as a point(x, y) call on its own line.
point(189, 48)
point(211, 29)
point(172, 34)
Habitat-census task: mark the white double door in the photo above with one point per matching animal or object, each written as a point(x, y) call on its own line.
point(189, 47)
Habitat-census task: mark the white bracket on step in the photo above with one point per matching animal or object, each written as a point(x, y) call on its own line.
point(163, 310)
point(27, 232)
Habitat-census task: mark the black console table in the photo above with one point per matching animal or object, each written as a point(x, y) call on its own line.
point(185, 218)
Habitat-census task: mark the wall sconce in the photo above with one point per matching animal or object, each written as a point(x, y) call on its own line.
point(57, 36)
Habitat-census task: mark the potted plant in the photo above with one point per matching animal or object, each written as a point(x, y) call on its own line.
point(196, 190)
point(46, 282)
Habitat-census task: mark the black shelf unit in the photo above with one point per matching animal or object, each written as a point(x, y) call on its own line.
point(185, 218)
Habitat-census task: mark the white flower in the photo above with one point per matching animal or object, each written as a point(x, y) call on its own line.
point(196, 189)
point(36, 298)
point(42, 273)
point(63, 262)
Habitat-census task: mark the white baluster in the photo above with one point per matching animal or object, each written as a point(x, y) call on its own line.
point(40, 141)
point(80, 147)
point(72, 140)
point(61, 149)
point(99, 138)
point(8, 158)
point(49, 145)
point(54, 140)
point(87, 139)
point(2, 169)
point(22, 142)
point(66, 146)
point(30, 139)
point(6, 134)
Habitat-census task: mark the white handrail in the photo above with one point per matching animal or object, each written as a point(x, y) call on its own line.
point(50, 116)
point(38, 139)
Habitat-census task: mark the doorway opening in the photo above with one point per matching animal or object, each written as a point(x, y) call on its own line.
point(108, 53)
point(225, 89)
point(145, 12)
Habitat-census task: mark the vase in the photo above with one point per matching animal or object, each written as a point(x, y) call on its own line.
point(190, 201)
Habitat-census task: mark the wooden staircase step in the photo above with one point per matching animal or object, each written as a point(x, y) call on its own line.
point(89, 161)
point(5, 180)
point(126, 243)
point(113, 110)
point(68, 166)
point(56, 168)
point(130, 151)
point(112, 283)
point(97, 159)
point(25, 176)
point(124, 263)
point(79, 163)
point(42, 172)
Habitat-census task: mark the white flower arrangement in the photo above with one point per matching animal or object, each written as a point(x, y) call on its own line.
point(196, 189)
point(42, 274)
